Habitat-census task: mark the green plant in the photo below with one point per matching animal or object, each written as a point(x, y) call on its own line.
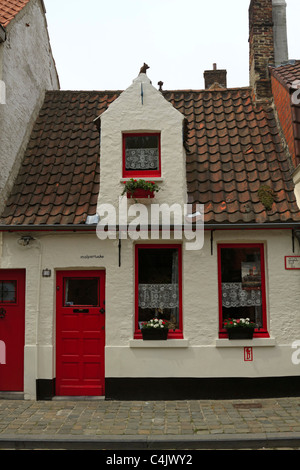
point(238, 323)
point(133, 184)
point(156, 323)
point(266, 196)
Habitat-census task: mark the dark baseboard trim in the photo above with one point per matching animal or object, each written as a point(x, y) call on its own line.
point(45, 389)
point(200, 388)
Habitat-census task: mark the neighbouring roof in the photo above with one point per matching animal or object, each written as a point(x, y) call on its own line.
point(288, 73)
point(9, 10)
point(58, 182)
point(234, 148)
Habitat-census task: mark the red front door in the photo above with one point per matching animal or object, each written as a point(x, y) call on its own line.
point(12, 329)
point(80, 333)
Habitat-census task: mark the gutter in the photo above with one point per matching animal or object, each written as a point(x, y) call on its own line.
point(208, 226)
point(2, 34)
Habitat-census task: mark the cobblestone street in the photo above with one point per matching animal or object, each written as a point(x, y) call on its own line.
point(181, 422)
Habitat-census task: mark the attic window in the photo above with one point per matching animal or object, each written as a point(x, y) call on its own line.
point(141, 155)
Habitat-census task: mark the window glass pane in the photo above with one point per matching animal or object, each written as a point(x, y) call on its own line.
point(82, 292)
point(8, 291)
point(142, 152)
point(158, 285)
point(241, 284)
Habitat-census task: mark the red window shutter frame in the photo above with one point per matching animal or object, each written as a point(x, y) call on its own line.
point(141, 174)
point(177, 334)
point(263, 332)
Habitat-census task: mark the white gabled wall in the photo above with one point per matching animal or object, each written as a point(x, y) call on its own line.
point(132, 112)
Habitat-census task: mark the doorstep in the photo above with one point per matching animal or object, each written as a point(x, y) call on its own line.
point(11, 396)
point(77, 398)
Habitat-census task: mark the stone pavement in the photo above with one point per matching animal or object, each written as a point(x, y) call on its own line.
point(194, 424)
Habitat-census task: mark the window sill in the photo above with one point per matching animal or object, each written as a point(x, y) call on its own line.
point(238, 343)
point(169, 343)
point(158, 179)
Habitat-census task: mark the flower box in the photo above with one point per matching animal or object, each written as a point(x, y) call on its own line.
point(137, 189)
point(140, 193)
point(240, 333)
point(151, 334)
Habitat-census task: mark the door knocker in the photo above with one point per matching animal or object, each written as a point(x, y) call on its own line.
point(2, 312)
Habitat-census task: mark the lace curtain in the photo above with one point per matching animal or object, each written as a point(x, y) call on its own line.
point(158, 296)
point(233, 295)
point(141, 159)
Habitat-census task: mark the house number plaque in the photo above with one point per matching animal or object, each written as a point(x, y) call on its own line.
point(292, 262)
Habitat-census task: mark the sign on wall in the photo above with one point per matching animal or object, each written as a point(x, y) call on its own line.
point(292, 262)
point(248, 354)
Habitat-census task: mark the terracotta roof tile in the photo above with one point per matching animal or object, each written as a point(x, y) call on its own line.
point(233, 149)
point(288, 73)
point(58, 182)
point(9, 10)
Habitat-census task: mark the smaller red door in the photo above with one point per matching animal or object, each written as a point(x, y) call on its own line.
point(80, 333)
point(12, 330)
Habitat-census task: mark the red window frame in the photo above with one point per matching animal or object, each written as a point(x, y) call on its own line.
point(262, 332)
point(177, 334)
point(10, 302)
point(141, 173)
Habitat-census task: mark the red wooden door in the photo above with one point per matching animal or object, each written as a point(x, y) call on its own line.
point(80, 333)
point(12, 329)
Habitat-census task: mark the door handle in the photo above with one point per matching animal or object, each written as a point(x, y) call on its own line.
point(102, 311)
point(2, 313)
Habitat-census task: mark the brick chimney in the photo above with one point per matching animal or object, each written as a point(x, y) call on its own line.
point(215, 78)
point(261, 44)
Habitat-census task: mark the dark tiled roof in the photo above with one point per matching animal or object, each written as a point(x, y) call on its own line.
point(58, 182)
point(9, 9)
point(233, 149)
point(287, 74)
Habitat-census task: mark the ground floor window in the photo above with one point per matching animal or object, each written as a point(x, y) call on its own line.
point(158, 285)
point(242, 285)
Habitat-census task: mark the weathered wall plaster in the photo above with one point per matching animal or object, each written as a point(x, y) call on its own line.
point(28, 69)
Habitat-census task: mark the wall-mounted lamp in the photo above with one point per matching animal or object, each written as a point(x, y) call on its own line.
point(25, 240)
point(46, 272)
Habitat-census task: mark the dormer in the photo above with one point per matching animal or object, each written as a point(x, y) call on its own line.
point(142, 138)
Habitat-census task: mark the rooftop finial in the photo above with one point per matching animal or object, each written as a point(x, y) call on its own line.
point(160, 84)
point(144, 68)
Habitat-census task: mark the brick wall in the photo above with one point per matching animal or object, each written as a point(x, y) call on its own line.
point(261, 43)
point(282, 101)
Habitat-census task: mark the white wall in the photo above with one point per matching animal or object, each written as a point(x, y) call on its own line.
point(200, 353)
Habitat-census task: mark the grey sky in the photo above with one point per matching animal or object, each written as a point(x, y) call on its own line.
point(101, 44)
